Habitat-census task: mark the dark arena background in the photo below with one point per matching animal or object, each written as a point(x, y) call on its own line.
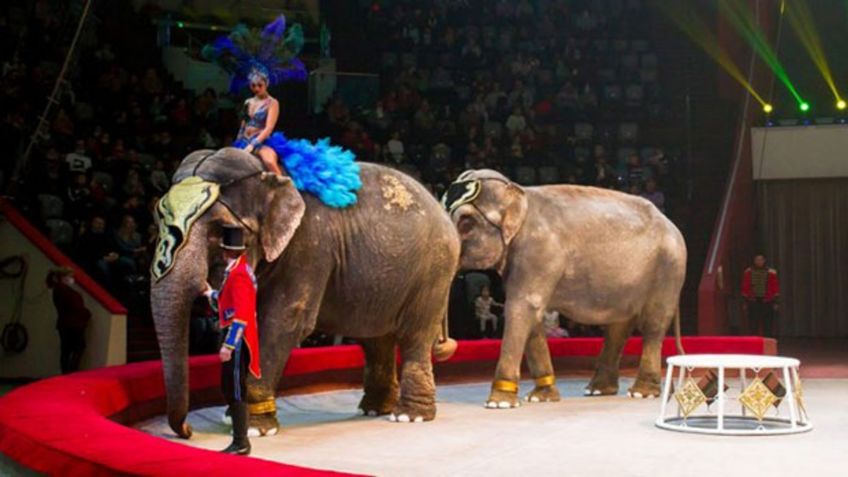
point(468, 206)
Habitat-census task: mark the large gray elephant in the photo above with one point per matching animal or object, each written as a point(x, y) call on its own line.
point(379, 270)
point(597, 256)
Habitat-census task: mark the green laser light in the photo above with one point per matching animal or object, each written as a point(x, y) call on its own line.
point(767, 108)
point(804, 106)
point(840, 104)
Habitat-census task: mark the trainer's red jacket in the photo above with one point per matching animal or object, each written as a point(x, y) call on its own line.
point(236, 307)
point(772, 286)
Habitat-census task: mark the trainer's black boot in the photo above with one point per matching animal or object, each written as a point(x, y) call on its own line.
point(240, 444)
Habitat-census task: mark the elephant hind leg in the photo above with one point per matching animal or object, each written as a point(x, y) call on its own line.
point(417, 387)
point(605, 380)
point(422, 321)
point(380, 376)
point(653, 327)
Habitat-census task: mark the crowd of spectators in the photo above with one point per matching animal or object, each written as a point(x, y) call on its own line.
point(547, 91)
point(117, 131)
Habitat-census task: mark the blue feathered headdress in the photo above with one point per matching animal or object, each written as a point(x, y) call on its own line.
point(270, 52)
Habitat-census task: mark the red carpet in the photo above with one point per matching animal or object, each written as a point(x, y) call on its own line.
point(61, 425)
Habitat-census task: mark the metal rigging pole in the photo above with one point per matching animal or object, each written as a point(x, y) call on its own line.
point(53, 98)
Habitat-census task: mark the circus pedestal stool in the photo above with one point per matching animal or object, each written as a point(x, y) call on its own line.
point(733, 394)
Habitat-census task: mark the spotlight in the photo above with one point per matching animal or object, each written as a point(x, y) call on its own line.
point(840, 104)
point(804, 106)
point(767, 108)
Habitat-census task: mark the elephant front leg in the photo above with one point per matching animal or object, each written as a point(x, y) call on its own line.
point(417, 386)
point(541, 368)
point(605, 380)
point(522, 317)
point(283, 326)
point(380, 377)
point(262, 395)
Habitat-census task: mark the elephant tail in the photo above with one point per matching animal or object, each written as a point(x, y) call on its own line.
point(677, 339)
point(445, 346)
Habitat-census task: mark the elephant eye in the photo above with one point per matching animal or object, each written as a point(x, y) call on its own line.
point(466, 224)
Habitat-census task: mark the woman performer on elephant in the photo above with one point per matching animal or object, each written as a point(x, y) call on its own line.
point(260, 117)
point(260, 59)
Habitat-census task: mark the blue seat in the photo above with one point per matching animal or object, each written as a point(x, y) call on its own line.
point(61, 232)
point(52, 206)
point(628, 132)
point(584, 132)
point(525, 175)
point(548, 175)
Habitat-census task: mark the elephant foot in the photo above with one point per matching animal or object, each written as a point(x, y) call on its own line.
point(602, 384)
point(504, 395)
point(413, 413)
point(261, 425)
point(644, 388)
point(372, 405)
point(543, 394)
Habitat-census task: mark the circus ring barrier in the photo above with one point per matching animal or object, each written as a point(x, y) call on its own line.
point(77, 424)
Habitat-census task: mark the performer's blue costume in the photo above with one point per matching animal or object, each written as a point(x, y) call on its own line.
point(319, 168)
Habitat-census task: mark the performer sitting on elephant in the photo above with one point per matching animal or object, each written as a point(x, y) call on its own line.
point(260, 117)
point(260, 59)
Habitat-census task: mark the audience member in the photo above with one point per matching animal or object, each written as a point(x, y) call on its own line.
point(552, 326)
point(483, 310)
point(655, 196)
point(761, 290)
point(72, 318)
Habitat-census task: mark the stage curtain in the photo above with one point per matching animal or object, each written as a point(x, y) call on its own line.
point(803, 229)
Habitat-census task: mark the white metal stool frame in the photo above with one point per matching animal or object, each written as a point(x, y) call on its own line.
point(797, 422)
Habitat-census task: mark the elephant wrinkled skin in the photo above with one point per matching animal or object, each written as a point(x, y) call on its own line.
point(379, 271)
point(597, 256)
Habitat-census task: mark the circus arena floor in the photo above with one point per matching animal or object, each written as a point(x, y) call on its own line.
point(598, 436)
point(111, 421)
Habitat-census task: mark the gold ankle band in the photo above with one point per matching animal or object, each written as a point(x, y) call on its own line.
point(505, 386)
point(265, 407)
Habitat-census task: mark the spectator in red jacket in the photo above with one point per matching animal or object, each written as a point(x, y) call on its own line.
point(73, 318)
point(761, 290)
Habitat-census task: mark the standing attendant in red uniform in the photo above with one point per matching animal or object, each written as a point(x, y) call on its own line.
point(235, 304)
point(761, 289)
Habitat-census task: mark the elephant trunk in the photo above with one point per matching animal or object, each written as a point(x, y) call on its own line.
point(171, 299)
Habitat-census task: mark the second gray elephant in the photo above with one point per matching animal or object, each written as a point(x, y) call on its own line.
point(599, 257)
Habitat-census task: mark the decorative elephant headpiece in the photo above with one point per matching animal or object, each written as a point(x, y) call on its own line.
point(231, 186)
point(488, 210)
point(504, 204)
point(176, 212)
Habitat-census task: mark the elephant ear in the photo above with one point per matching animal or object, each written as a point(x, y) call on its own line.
point(514, 212)
point(284, 209)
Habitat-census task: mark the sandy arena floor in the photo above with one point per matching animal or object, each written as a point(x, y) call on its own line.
point(601, 436)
